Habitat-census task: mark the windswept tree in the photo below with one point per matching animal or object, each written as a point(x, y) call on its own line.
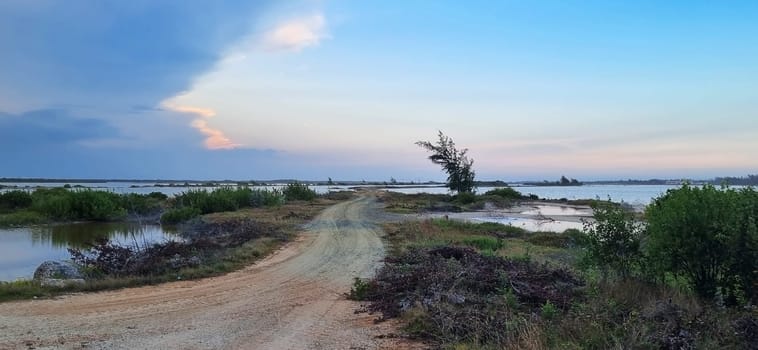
point(457, 165)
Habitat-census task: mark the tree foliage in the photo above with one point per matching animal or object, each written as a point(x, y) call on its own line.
point(457, 165)
point(707, 235)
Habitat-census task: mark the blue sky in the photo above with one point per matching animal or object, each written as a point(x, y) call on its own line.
point(315, 89)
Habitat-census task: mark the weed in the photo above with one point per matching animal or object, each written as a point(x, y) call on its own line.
point(360, 289)
point(548, 311)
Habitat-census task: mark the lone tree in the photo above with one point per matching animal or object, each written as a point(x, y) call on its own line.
point(460, 176)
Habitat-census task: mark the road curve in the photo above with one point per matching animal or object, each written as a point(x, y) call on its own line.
point(290, 300)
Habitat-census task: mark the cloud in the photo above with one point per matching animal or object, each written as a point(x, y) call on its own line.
point(110, 65)
point(296, 34)
point(51, 128)
point(215, 138)
point(114, 52)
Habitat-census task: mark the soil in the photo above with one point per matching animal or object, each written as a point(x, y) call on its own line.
point(293, 299)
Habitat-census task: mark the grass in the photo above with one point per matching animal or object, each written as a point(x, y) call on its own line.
point(22, 218)
point(423, 202)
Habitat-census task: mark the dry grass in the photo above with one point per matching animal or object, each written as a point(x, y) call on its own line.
point(612, 313)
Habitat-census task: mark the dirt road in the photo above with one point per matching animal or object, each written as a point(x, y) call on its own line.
point(291, 300)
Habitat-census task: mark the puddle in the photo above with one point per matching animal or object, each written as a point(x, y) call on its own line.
point(533, 224)
point(553, 210)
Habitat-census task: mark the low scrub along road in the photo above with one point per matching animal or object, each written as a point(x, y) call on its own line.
point(291, 300)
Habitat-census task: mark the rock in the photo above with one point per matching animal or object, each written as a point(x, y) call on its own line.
point(58, 274)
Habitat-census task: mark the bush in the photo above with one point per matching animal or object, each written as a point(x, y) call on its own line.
point(613, 239)
point(266, 198)
point(178, 215)
point(708, 236)
point(505, 192)
point(218, 200)
point(299, 192)
point(63, 204)
point(14, 200)
point(142, 204)
point(158, 195)
point(465, 198)
point(360, 289)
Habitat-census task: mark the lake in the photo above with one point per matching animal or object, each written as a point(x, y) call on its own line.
point(23, 249)
point(632, 194)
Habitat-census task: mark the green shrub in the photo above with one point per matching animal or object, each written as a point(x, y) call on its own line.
point(465, 198)
point(266, 198)
point(141, 204)
point(218, 200)
point(14, 200)
point(360, 289)
point(158, 195)
point(62, 204)
point(299, 192)
point(178, 215)
point(708, 236)
point(548, 311)
point(505, 192)
point(613, 239)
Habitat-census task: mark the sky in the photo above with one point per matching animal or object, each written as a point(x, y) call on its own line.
point(313, 89)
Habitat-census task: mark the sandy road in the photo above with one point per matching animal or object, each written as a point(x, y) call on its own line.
point(291, 300)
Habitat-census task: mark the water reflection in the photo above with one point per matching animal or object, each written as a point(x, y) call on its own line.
point(23, 249)
point(83, 234)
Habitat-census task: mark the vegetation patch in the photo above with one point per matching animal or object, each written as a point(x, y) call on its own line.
point(466, 201)
point(452, 282)
point(299, 192)
point(460, 295)
point(45, 205)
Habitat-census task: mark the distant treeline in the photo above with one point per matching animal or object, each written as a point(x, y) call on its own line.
point(750, 180)
point(645, 182)
point(564, 181)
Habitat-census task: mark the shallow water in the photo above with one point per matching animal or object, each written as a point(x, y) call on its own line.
point(23, 249)
point(534, 224)
point(554, 210)
point(632, 194)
